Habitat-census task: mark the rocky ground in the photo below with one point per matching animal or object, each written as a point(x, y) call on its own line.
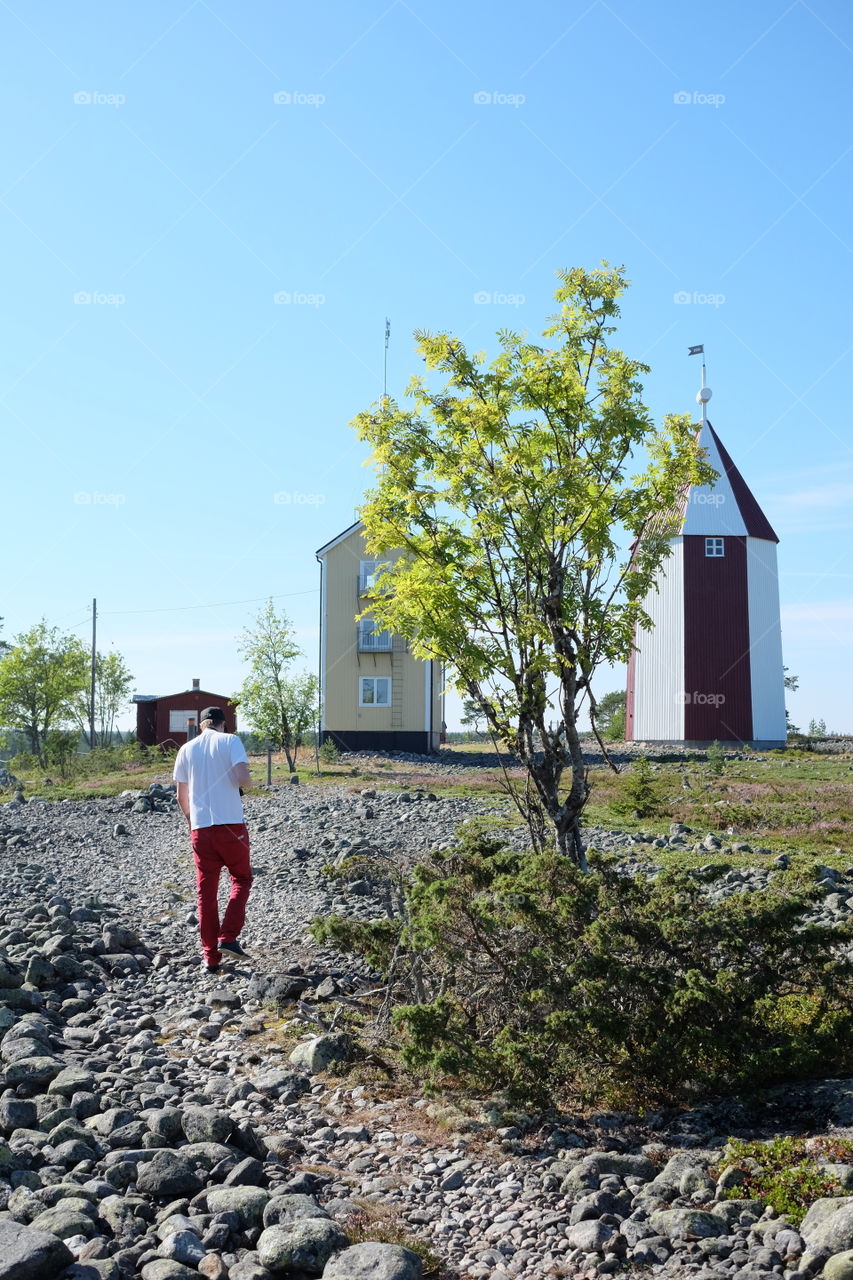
point(158, 1122)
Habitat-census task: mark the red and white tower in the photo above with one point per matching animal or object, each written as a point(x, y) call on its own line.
point(711, 668)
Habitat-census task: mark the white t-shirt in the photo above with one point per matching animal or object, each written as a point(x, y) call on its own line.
point(205, 763)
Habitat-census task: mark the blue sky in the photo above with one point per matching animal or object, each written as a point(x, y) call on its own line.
point(171, 168)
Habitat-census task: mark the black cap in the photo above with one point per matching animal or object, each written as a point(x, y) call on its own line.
point(216, 714)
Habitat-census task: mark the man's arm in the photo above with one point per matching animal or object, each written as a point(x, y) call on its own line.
point(241, 776)
point(184, 799)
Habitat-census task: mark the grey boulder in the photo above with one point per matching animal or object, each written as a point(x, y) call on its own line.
point(828, 1225)
point(318, 1053)
point(205, 1124)
point(290, 1208)
point(687, 1224)
point(304, 1245)
point(31, 1255)
point(168, 1174)
point(374, 1262)
point(840, 1266)
point(248, 1203)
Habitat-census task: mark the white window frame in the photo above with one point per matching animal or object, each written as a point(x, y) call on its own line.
point(178, 720)
point(369, 638)
point(373, 680)
point(367, 571)
point(715, 548)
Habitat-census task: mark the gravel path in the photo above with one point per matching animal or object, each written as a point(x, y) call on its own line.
point(157, 1122)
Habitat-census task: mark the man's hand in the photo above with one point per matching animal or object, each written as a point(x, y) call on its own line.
point(183, 793)
point(241, 776)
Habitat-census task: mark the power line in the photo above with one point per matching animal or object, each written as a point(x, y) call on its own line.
point(220, 604)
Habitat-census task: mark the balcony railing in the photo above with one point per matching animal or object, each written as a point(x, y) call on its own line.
point(374, 641)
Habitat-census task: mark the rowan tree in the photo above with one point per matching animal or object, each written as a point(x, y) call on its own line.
point(278, 705)
point(520, 547)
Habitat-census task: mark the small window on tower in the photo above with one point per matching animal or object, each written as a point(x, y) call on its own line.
point(714, 547)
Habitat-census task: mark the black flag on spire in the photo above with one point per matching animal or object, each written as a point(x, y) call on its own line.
point(696, 351)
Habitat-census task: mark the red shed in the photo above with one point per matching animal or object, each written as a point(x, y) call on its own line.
point(162, 720)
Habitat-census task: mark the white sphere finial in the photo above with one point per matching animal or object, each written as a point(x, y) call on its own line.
point(703, 395)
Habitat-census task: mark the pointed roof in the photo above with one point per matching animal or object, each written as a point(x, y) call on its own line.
point(728, 507)
point(327, 546)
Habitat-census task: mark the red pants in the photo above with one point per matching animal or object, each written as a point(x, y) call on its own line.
point(213, 849)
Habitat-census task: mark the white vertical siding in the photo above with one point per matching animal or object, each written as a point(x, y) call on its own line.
point(713, 509)
point(659, 662)
point(324, 642)
point(765, 642)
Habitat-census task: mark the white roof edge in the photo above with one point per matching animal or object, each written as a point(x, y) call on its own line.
point(340, 538)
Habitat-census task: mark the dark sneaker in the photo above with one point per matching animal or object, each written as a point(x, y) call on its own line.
point(214, 968)
point(233, 947)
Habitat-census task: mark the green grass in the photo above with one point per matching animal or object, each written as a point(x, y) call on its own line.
point(774, 802)
point(793, 802)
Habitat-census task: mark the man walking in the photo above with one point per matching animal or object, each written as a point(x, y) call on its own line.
point(210, 771)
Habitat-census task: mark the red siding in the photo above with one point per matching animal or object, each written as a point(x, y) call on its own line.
point(157, 715)
point(146, 722)
point(717, 692)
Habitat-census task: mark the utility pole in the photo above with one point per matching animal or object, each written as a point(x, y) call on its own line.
point(92, 694)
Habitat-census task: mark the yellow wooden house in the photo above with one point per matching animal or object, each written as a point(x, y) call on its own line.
point(374, 695)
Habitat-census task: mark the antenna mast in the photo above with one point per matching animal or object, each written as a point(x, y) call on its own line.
point(92, 676)
point(385, 366)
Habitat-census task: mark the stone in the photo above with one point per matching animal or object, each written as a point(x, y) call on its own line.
point(249, 1268)
point(246, 1173)
point(732, 1211)
point(591, 1236)
point(168, 1174)
point(375, 1262)
point(278, 1083)
point(33, 1072)
point(166, 1123)
point(183, 1246)
point(212, 1267)
point(40, 972)
point(687, 1224)
point(288, 1208)
point(67, 1130)
point(304, 1245)
point(828, 1225)
point(318, 1053)
point(166, 1269)
point(839, 1266)
point(94, 1269)
point(599, 1163)
point(26, 1254)
point(17, 1113)
point(248, 1203)
point(205, 1124)
point(71, 1080)
point(71, 1217)
point(10, 975)
point(454, 1180)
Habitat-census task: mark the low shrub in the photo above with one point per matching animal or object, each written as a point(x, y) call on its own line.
point(517, 971)
point(329, 752)
point(640, 793)
point(786, 1172)
point(716, 759)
